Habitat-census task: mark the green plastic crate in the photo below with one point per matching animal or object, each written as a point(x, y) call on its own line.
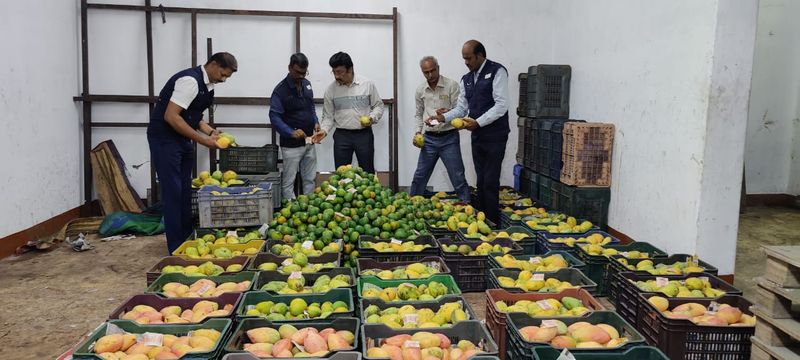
point(634, 353)
point(574, 276)
point(597, 265)
point(254, 297)
point(84, 350)
point(162, 280)
point(522, 347)
point(571, 259)
point(434, 306)
point(615, 266)
point(265, 277)
point(235, 343)
point(447, 280)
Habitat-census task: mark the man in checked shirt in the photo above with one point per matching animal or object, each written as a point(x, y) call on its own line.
point(441, 139)
point(351, 105)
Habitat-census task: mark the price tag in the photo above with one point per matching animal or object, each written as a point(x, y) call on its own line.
point(661, 281)
point(250, 307)
point(644, 255)
point(263, 230)
point(112, 329)
point(296, 275)
point(565, 355)
point(332, 187)
point(358, 177)
point(204, 289)
point(713, 307)
point(695, 260)
point(410, 319)
point(549, 323)
point(544, 304)
point(624, 253)
point(535, 260)
point(308, 244)
point(150, 339)
point(395, 241)
point(330, 197)
point(410, 343)
point(345, 181)
point(538, 277)
point(232, 233)
point(288, 261)
point(703, 278)
point(352, 190)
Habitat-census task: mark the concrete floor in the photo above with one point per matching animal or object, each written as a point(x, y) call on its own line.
point(52, 299)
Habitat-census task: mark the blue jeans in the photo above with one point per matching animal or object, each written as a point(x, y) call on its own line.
point(447, 148)
point(173, 161)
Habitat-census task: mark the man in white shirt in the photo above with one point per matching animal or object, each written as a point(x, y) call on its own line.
point(441, 139)
point(176, 121)
point(351, 105)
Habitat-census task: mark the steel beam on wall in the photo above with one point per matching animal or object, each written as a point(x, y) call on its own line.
point(87, 98)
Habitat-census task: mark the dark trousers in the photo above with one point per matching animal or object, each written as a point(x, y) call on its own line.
point(362, 142)
point(173, 161)
point(487, 157)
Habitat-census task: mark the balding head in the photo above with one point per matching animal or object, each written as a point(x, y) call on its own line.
point(474, 54)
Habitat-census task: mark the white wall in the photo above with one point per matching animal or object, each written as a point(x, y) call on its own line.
point(772, 158)
point(40, 151)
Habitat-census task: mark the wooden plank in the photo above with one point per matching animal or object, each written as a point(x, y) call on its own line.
point(777, 302)
point(761, 350)
point(783, 265)
point(782, 332)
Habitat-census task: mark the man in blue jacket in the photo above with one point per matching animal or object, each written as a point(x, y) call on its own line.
point(292, 113)
point(484, 103)
point(175, 122)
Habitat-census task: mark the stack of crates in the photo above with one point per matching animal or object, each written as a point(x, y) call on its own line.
point(256, 164)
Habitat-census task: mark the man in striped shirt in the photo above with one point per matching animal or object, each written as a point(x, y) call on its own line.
point(352, 105)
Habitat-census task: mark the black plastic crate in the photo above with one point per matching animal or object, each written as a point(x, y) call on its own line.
point(470, 271)
point(238, 337)
point(550, 143)
point(432, 250)
point(628, 300)
point(546, 191)
point(521, 133)
point(682, 339)
point(597, 265)
point(522, 107)
point(529, 184)
point(571, 259)
point(615, 266)
point(585, 202)
point(264, 277)
point(548, 91)
point(373, 334)
point(249, 159)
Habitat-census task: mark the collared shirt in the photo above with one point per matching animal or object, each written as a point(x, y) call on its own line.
point(445, 95)
point(345, 104)
point(186, 89)
point(499, 94)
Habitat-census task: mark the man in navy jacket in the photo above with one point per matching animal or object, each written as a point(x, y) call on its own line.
point(484, 103)
point(175, 122)
point(293, 115)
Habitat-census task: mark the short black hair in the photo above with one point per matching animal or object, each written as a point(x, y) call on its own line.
point(341, 59)
point(224, 60)
point(298, 59)
point(478, 48)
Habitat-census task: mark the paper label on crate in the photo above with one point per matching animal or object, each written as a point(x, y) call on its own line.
point(308, 244)
point(352, 190)
point(644, 255)
point(544, 304)
point(330, 197)
point(263, 230)
point(661, 281)
point(549, 323)
point(112, 329)
point(150, 339)
point(250, 307)
point(565, 355)
point(358, 177)
point(396, 241)
point(703, 278)
point(535, 260)
point(204, 289)
point(332, 187)
point(537, 277)
point(296, 275)
point(410, 343)
point(345, 181)
point(624, 253)
point(232, 233)
point(410, 319)
point(287, 262)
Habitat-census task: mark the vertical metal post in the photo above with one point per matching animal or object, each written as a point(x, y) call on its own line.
point(87, 107)
point(150, 88)
point(393, 178)
point(297, 34)
point(212, 153)
point(194, 63)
